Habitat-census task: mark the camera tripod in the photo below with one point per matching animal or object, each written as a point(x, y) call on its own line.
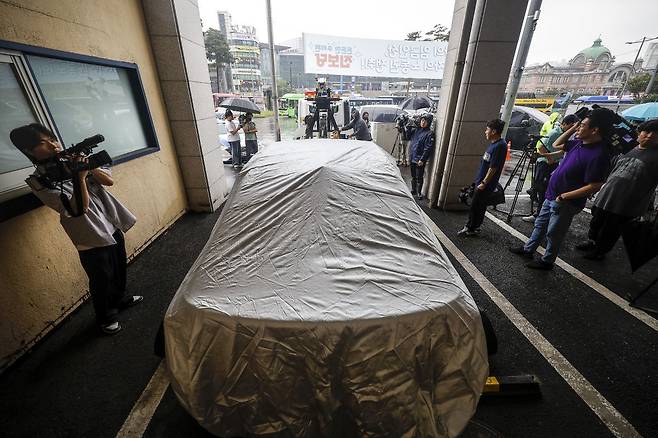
point(399, 151)
point(520, 171)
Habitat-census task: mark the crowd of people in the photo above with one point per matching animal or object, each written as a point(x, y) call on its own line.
point(575, 162)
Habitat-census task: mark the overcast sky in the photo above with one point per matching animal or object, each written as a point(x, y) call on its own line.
point(565, 26)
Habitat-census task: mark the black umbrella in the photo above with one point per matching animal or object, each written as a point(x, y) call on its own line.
point(239, 104)
point(416, 103)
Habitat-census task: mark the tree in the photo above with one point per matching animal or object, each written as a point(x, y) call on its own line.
point(438, 33)
point(217, 50)
point(283, 87)
point(638, 85)
point(413, 36)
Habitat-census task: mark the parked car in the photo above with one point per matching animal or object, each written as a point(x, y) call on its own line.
point(523, 122)
point(322, 290)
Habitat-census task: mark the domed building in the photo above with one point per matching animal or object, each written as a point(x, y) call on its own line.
point(592, 71)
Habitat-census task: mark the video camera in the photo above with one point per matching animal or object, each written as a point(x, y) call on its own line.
point(622, 137)
point(466, 193)
point(63, 166)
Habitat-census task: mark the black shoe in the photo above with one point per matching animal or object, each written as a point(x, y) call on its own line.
point(520, 250)
point(130, 301)
point(539, 264)
point(587, 245)
point(414, 193)
point(111, 328)
point(594, 255)
point(466, 232)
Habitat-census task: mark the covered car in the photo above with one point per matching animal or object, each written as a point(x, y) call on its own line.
point(323, 302)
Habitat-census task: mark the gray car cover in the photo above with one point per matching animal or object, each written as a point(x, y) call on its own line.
point(323, 305)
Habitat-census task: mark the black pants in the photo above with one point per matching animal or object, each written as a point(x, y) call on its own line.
point(543, 172)
point(417, 178)
point(106, 270)
point(478, 209)
point(605, 229)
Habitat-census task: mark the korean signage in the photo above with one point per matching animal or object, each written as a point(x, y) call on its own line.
point(324, 54)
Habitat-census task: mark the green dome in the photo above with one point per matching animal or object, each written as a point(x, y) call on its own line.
point(595, 51)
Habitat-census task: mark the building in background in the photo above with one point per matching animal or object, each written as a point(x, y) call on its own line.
point(592, 71)
point(651, 56)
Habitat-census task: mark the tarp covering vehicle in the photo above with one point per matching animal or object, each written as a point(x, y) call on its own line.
point(323, 302)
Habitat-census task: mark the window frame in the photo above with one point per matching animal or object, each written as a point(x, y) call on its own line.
point(21, 204)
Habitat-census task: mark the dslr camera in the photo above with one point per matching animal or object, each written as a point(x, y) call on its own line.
point(63, 166)
point(465, 194)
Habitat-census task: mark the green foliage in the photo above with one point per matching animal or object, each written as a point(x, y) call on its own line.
point(283, 87)
point(413, 36)
point(438, 33)
point(653, 97)
point(217, 49)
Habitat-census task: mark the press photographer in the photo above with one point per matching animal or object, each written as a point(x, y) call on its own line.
point(582, 172)
point(421, 149)
point(72, 183)
point(486, 180)
point(627, 193)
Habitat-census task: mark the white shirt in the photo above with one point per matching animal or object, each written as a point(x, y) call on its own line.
point(231, 126)
point(103, 217)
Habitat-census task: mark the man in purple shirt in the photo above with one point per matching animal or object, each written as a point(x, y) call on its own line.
point(581, 173)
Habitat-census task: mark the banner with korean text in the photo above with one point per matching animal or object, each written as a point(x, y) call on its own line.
point(325, 54)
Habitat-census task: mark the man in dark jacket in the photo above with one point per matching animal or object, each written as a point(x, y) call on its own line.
point(360, 128)
point(420, 151)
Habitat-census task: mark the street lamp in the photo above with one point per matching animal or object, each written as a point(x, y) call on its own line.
point(637, 55)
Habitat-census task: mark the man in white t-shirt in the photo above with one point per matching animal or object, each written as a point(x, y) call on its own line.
point(233, 138)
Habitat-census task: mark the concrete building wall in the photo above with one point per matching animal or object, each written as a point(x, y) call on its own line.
point(40, 274)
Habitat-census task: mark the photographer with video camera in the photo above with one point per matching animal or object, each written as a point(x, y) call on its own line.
point(421, 149)
point(323, 104)
point(486, 180)
point(626, 194)
point(544, 165)
point(580, 174)
point(358, 126)
point(68, 182)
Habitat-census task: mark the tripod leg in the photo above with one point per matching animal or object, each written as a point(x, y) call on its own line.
point(523, 174)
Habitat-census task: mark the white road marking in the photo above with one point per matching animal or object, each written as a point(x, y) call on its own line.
point(608, 414)
point(595, 285)
point(143, 410)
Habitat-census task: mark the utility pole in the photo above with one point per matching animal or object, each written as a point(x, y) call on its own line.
point(637, 55)
point(275, 95)
point(519, 60)
point(652, 80)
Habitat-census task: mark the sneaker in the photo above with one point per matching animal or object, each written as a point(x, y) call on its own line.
point(467, 232)
point(594, 255)
point(587, 245)
point(539, 264)
point(130, 301)
point(530, 219)
point(520, 250)
point(111, 328)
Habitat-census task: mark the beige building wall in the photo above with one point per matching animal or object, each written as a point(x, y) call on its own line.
point(40, 274)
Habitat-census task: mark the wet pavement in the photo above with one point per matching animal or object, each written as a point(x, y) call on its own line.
point(77, 383)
